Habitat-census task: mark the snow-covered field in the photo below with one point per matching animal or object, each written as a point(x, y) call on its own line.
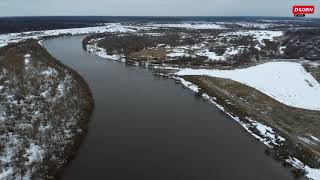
point(256, 25)
point(286, 82)
point(258, 35)
point(109, 27)
point(190, 26)
point(112, 27)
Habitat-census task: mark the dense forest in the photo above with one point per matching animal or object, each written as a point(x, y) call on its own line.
point(24, 24)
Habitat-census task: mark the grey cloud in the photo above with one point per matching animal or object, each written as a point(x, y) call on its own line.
point(149, 7)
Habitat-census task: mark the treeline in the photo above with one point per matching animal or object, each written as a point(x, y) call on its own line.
point(126, 44)
point(129, 43)
point(303, 32)
point(16, 25)
point(302, 43)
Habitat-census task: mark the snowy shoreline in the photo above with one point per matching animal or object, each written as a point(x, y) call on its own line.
point(42, 128)
point(5, 39)
point(263, 129)
point(266, 134)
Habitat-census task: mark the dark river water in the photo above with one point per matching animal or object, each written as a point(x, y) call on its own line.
point(148, 128)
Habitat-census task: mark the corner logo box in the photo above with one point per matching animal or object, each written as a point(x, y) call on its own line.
point(301, 11)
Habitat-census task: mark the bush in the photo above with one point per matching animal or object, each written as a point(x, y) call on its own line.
point(292, 51)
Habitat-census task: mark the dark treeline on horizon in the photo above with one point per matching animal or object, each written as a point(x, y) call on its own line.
point(37, 23)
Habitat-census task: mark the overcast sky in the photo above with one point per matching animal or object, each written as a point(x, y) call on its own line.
point(151, 7)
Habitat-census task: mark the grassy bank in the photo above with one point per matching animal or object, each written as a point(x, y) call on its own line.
point(295, 124)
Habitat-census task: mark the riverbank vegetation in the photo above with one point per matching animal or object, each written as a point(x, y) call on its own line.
point(44, 111)
point(169, 50)
point(292, 123)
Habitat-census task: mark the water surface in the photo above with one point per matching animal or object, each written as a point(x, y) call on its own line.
point(148, 128)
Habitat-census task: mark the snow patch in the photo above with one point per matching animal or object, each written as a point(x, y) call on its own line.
point(49, 72)
point(267, 132)
point(178, 54)
point(188, 84)
point(312, 173)
point(101, 52)
point(6, 173)
point(34, 153)
point(27, 59)
point(211, 55)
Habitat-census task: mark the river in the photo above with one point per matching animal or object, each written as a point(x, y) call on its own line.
point(149, 128)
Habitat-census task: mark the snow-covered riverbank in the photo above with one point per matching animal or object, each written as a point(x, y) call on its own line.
point(261, 131)
point(44, 111)
point(287, 82)
point(111, 27)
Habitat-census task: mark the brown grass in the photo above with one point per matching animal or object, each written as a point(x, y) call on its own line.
point(147, 54)
point(244, 101)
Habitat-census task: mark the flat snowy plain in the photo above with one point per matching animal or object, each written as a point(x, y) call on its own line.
point(287, 82)
point(110, 27)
